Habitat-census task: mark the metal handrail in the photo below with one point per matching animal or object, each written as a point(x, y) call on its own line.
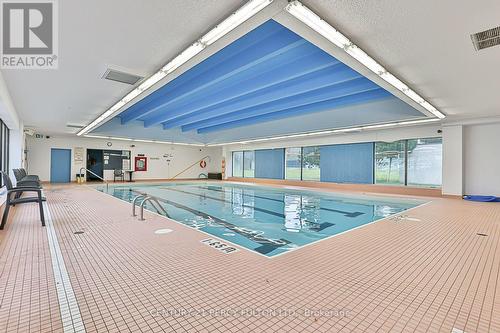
point(147, 198)
point(104, 180)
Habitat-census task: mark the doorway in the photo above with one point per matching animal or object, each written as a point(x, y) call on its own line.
point(95, 163)
point(60, 165)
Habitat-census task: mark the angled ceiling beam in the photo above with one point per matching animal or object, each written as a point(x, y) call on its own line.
point(249, 57)
point(271, 73)
point(316, 107)
point(326, 78)
point(324, 94)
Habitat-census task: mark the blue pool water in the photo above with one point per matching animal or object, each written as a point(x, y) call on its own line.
point(267, 220)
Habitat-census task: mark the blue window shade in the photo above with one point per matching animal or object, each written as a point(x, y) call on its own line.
point(270, 163)
point(349, 163)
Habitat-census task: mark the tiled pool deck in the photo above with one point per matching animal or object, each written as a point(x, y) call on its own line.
point(430, 272)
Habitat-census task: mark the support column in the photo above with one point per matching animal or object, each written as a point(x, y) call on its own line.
point(453, 160)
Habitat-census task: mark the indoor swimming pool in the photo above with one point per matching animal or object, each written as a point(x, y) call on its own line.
point(264, 219)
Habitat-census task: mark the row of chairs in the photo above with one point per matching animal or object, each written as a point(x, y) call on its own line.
point(24, 183)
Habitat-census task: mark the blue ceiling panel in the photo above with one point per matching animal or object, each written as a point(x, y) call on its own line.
point(347, 88)
point(362, 97)
point(269, 74)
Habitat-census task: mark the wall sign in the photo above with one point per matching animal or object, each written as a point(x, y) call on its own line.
point(78, 154)
point(218, 245)
point(141, 163)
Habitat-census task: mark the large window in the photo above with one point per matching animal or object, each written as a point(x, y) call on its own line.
point(310, 163)
point(293, 162)
point(425, 157)
point(248, 164)
point(238, 164)
point(390, 162)
point(414, 162)
point(4, 148)
point(244, 164)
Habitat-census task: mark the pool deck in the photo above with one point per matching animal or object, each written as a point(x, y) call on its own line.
point(435, 268)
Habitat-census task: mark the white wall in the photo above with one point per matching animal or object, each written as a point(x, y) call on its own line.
point(482, 159)
point(39, 150)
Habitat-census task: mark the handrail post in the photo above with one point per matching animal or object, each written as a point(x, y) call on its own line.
point(134, 203)
point(101, 178)
point(141, 218)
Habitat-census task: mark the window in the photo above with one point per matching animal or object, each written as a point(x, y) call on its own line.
point(4, 148)
point(390, 163)
point(238, 164)
point(248, 164)
point(293, 162)
point(425, 158)
point(310, 163)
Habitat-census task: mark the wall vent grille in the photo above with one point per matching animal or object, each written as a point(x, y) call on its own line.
point(485, 39)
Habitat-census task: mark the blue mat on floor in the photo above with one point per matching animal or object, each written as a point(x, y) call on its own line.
point(482, 198)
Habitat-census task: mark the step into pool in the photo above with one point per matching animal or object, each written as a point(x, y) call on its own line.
point(268, 220)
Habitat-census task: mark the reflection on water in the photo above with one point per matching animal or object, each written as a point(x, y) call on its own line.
point(269, 221)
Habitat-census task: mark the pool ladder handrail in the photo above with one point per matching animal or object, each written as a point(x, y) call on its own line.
point(104, 180)
point(147, 198)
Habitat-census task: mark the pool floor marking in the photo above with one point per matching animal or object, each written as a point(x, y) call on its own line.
point(220, 246)
point(68, 306)
point(225, 201)
point(346, 214)
point(267, 245)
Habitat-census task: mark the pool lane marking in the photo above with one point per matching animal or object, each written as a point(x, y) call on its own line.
point(267, 244)
point(225, 201)
point(68, 306)
point(346, 214)
point(322, 226)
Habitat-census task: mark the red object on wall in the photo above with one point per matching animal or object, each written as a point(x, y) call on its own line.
point(141, 163)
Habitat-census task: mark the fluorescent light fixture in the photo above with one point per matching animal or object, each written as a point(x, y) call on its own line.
point(143, 140)
point(394, 81)
point(308, 17)
point(365, 59)
point(414, 96)
point(333, 131)
point(315, 22)
point(251, 8)
point(241, 15)
point(185, 55)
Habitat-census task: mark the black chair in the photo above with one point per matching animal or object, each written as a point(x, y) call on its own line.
point(10, 201)
point(23, 179)
point(118, 174)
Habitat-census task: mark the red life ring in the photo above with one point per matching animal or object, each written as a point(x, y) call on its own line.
point(203, 164)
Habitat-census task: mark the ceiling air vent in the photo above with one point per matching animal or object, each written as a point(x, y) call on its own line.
point(119, 76)
point(485, 39)
point(74, 126)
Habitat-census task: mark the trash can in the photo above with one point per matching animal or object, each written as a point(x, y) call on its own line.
point(80, 178)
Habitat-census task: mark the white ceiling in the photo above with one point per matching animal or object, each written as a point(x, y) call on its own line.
point(138, 36)
point(425, 43)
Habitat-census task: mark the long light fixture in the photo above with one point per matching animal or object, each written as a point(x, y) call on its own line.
point(144, 140)
point(248, 10)
point(307, 16)
point(333, 131)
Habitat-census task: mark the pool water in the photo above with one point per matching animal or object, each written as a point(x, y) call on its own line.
point(267, 220)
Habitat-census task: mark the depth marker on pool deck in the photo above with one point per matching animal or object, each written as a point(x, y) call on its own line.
point(68, 306)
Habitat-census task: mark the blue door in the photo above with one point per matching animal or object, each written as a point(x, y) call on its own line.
point(60, 165)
